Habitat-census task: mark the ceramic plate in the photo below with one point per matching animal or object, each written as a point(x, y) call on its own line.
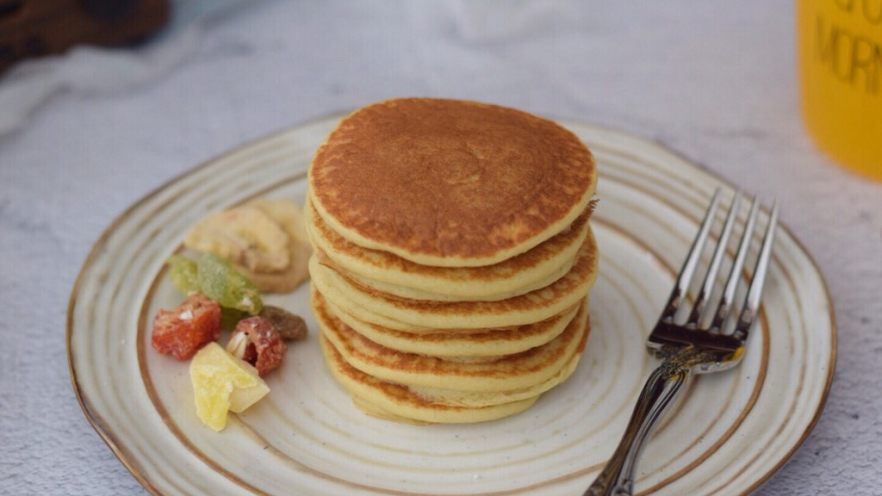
point(733, 431)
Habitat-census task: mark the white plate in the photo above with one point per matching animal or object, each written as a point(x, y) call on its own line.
point(732, 433)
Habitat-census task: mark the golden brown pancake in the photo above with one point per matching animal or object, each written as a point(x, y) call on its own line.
point(424, 404)
point(389, 273)
point(507, 372)
point(396, 402)
point(450, 183)
point(457, 344)
point(400, 313)
point(483, 398)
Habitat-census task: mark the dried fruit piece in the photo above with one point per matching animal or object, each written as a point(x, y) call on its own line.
point(223, 284)
point(290, 326)
point(182, 271)
point(241, 347)
point(257, 341)
point(289, 216)
point(222, 383)
point(265, 240)
point(182, 331)
point(244, 235)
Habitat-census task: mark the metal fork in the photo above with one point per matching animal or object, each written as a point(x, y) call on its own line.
point(710, 340)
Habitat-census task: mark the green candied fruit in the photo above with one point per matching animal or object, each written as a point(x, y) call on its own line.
point(222, 283)
point(182, 271)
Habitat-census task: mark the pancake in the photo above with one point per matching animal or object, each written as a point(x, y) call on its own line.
point(392, 274)
point(508, 372)
point(450, 183)
point(399, 313)
point(396, 402)
point(478, 399)
point(367, 315)
point(458, 345)
point(482, 399)
point(378, 412)
point(415, 294)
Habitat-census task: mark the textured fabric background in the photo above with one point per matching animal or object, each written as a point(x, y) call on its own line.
point(84, 136)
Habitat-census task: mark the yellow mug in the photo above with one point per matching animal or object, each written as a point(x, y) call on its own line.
point(840, 64)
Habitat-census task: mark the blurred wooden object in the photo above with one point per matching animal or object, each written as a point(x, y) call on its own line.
point(32, 28)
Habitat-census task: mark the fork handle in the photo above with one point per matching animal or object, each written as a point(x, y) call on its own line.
point(617, 478)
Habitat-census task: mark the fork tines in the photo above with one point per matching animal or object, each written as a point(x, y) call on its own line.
point(719, 318)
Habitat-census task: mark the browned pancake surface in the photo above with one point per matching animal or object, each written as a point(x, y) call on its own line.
point(507, 268)
point(448, 178)
point(473, 335)
point(583, 270)
point(521, 363)
point(395, 391)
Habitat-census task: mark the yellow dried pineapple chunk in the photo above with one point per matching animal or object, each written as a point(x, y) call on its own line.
point(222, 383)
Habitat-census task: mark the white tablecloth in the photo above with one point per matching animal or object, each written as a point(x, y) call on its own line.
point(83, 137)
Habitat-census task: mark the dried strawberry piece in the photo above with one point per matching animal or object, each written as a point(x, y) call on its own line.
point(257, 341)
point(190, 326)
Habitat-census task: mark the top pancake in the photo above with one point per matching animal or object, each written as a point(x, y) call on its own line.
point(450, 183)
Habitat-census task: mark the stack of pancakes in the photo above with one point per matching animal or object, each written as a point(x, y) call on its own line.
point(453, 257)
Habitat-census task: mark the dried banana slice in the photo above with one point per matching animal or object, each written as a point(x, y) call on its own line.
point(290, 217)
point(286, 213)
point(246, 236)
point(264, 239)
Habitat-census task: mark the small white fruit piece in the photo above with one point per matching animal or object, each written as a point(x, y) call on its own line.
point(222, 383)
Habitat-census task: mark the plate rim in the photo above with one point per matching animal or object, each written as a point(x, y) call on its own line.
point(118, 449)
